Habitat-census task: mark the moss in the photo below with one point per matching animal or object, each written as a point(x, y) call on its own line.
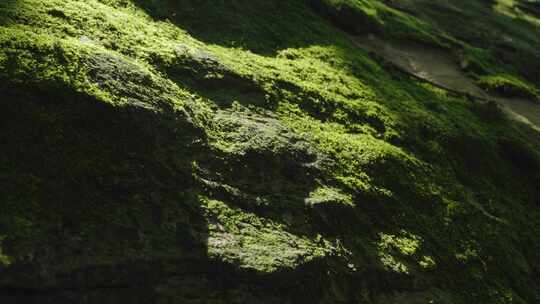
point(254, 243)
point(329, 195)
point(5, 260)
point(489, 45)
point(216, 137)
point(508, 85)
point(401, 253)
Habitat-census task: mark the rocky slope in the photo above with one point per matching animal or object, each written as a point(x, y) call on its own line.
point(248, 151)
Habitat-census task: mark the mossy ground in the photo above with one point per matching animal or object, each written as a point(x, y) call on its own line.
point(244, 147)
point(492, 39)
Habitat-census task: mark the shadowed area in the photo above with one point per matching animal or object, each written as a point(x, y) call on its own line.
point(129, 222)
point(259, 26)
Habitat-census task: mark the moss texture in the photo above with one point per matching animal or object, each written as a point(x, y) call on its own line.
point(248, 152)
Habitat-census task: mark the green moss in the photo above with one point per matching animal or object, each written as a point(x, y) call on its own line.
point(400, 253)
point(488, 46)
point(254, 243)
point(4, 259)
point(325, 195)
point(225, 134)
point(508, 85)
point(377, 17)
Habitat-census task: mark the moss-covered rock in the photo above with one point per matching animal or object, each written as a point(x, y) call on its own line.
point(509, 86)
point(248, 152)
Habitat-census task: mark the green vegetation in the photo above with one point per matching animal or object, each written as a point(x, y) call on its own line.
point(4, 260)
point(491, 37)
point(498, 37)
point(222, 151)
point(509, 86)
